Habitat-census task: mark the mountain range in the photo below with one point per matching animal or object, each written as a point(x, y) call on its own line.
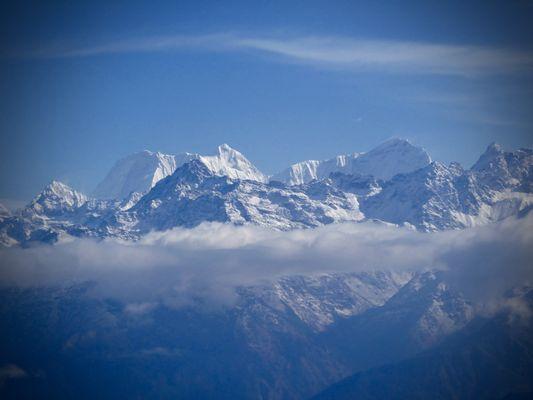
point(396, 182)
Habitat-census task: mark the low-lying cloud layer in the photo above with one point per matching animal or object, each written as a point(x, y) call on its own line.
point(210, 261)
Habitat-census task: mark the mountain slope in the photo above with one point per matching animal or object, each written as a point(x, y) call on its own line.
point(395, 156)
point(4, 212)
point(140, 172)
point(231, 163)
point(500, 170)
point(264, 345)
point(489, 359)
point(421, 314)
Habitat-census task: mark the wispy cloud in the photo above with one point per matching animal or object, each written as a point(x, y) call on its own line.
point(396, 56)
point(329, 52)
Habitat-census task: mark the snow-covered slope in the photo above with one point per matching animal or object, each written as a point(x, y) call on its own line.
point(194, 194)
point(395, 156)
point(229, 162)
point(55, 200)
point(392, 157)
point(438, 309)
point(138, 172)
point(4, 212)
point(441, 197)
point(306, 171)
point(319, 301)
point(58, 210)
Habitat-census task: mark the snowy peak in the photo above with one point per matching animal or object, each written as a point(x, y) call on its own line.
point(493, 156)
point(138, 172)
point(498, 169)
point(55, 198)
point(193, 172)
point(395, 156)
point(60, 191)
point(229, 162)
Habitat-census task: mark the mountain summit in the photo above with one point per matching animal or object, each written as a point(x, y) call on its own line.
point(395, 156)
point(229, 162)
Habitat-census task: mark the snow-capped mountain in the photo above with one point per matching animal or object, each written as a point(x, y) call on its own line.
point(55, 200)
point(56, 211)
point(194, 194)
point(395, 156)
point(392, 157)
point(139, 172)
point(500, 170)
point(447, 197)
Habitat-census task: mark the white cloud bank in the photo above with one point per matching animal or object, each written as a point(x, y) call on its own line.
point(329, 52)
point(212, 259)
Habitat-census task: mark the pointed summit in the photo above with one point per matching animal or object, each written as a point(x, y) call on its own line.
point(195, 171)
point(58, 188)
point(229, 162)
point(499, 169)
point(493, 157)
point(56, 197)
point(494, 147)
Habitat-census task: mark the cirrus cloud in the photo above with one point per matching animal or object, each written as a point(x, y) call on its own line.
point(333, 52)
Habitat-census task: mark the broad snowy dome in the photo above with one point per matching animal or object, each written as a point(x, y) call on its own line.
point(395, 156)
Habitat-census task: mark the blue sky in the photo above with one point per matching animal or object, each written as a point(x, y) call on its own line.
point(85, 83)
